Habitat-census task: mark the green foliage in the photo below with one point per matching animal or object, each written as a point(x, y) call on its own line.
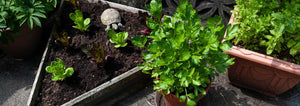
point(81, 24)
point(59, 71)
point(32, 10)
point(97, 53)
point(62, 39)
point(118, 38)
point(269, 24)
point(184, 55)
point(14, 13)
point(139, 41)
point(155, 8)
point(7, 21)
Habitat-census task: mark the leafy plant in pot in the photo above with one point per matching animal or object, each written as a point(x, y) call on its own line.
point(269, 27)
point(16, 38)
point(183, 55)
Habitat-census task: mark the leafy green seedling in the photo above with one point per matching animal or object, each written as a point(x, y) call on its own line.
point(118, 38)
point(75, 3)
point(62, 39)
point(59, 71)
point(97, 53)
point(81, 24)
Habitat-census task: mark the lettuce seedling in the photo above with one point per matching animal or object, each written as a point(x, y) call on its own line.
point(118, 38)
point(75, 3)
point(62, 39)
point(59, 71)
point(97, 53)
point(81, 24)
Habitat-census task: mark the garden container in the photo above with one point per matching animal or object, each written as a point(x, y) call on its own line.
point(128, 82)
point(25, 45)
point(259, 72)
point(173, 100)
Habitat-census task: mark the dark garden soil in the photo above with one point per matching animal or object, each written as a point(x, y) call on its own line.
point(87, 74)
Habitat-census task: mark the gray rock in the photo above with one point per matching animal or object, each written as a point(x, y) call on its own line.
point(111, 18)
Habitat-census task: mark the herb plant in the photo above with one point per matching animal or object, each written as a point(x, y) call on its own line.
point(97, 53)
point(14, 13)
point(139, 41)
point(184, 55)
point(269, 24)
point(59, 71)
point(118, 38)
point(81, 24)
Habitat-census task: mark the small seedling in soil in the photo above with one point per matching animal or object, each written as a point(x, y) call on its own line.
point(97, 53)
point(81, 24)
point(62, 39)
point(59, 71)
point(118, 38)
point(75, 3)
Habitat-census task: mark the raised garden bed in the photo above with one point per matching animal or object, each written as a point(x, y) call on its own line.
point(91, 81)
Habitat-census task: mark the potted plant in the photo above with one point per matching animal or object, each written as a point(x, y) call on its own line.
point(18, 20)
point(271, 29)
point(183, 55)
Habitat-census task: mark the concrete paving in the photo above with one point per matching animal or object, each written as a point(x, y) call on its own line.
point(16, 79)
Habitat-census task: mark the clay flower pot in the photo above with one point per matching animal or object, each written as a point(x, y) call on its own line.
point(173, 100)
point(262, 73)
point(24, 45)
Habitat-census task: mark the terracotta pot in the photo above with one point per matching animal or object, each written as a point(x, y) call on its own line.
point(261, 73)
point(173, 100)
point(25, 45)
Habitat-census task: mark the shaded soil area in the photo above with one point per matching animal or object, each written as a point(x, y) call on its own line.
point(87, 74)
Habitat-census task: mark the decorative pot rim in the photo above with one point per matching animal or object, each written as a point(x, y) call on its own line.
point(262, 58)
point(160, 93)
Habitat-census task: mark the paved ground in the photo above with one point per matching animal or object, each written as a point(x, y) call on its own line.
point(16, 79)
